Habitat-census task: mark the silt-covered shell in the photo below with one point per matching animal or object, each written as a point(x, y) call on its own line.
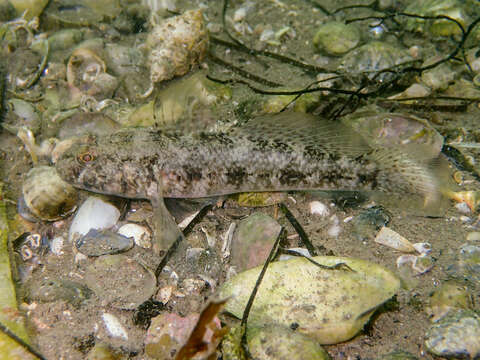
point(336, 38)
point(454, 9)
point(373, 57)
point(281, 343)
point(46, 195)
point(329, 305)
point(382, 129)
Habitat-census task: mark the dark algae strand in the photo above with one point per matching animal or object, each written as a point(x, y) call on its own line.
point(287, 151)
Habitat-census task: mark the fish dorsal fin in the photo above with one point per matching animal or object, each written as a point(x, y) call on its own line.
point(305, 131)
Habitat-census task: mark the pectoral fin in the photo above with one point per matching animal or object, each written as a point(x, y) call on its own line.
point(166, 230)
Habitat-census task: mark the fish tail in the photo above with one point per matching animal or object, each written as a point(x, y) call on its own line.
point(414, 171)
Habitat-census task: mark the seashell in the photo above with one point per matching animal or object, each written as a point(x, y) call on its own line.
point(319, 208)
point(86, 71)
point(394, 240)
point(423, 263)
point(423, 248)
point(328, 305)
point(450, 296)
point(103, 242)
point(46, 195)
point(336, 38)
point(120, 281)
point(114, 326)
point(86, 63)
point(372, 57)
point(453, 9)
point(141, 235)
point(94, 213)
point(279, 342)
point(177, 44)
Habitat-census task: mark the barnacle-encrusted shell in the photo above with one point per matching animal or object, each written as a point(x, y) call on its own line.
point(176, 45)
point(47, 196)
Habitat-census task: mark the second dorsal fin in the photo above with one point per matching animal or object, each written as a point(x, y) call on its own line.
point(304, 130)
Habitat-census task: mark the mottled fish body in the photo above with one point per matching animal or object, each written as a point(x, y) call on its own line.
point(288, 151)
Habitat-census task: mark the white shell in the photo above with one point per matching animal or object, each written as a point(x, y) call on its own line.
point(114, 327)
point(141, 235)
point(94, 213)
point(318, 208)
point(394, 240)
point(46, 195)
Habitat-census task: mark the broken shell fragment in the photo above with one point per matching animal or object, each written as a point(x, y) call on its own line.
point(329, 305)
point(140, 234)
point(46, 195)
point(470, 197)
point(450, 296)
point(394, 240)
point(419, 264)
point(423, 248)
point(84, 66)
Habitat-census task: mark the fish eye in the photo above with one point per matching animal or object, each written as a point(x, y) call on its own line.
point(86, 157)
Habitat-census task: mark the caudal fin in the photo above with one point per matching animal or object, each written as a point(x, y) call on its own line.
point(415, 175)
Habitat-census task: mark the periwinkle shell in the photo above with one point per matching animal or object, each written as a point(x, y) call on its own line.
point(46, 195)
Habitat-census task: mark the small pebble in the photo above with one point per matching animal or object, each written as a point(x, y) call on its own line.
point(397, 355)
point(334, 231)
point(465, 219)
point(455, 336)
point(450, 296)
point(463, 208)
point(120, 281)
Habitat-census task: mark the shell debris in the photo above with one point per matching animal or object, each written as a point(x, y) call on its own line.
point(394, 240)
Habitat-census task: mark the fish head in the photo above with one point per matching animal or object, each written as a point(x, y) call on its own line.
point(94, 163)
